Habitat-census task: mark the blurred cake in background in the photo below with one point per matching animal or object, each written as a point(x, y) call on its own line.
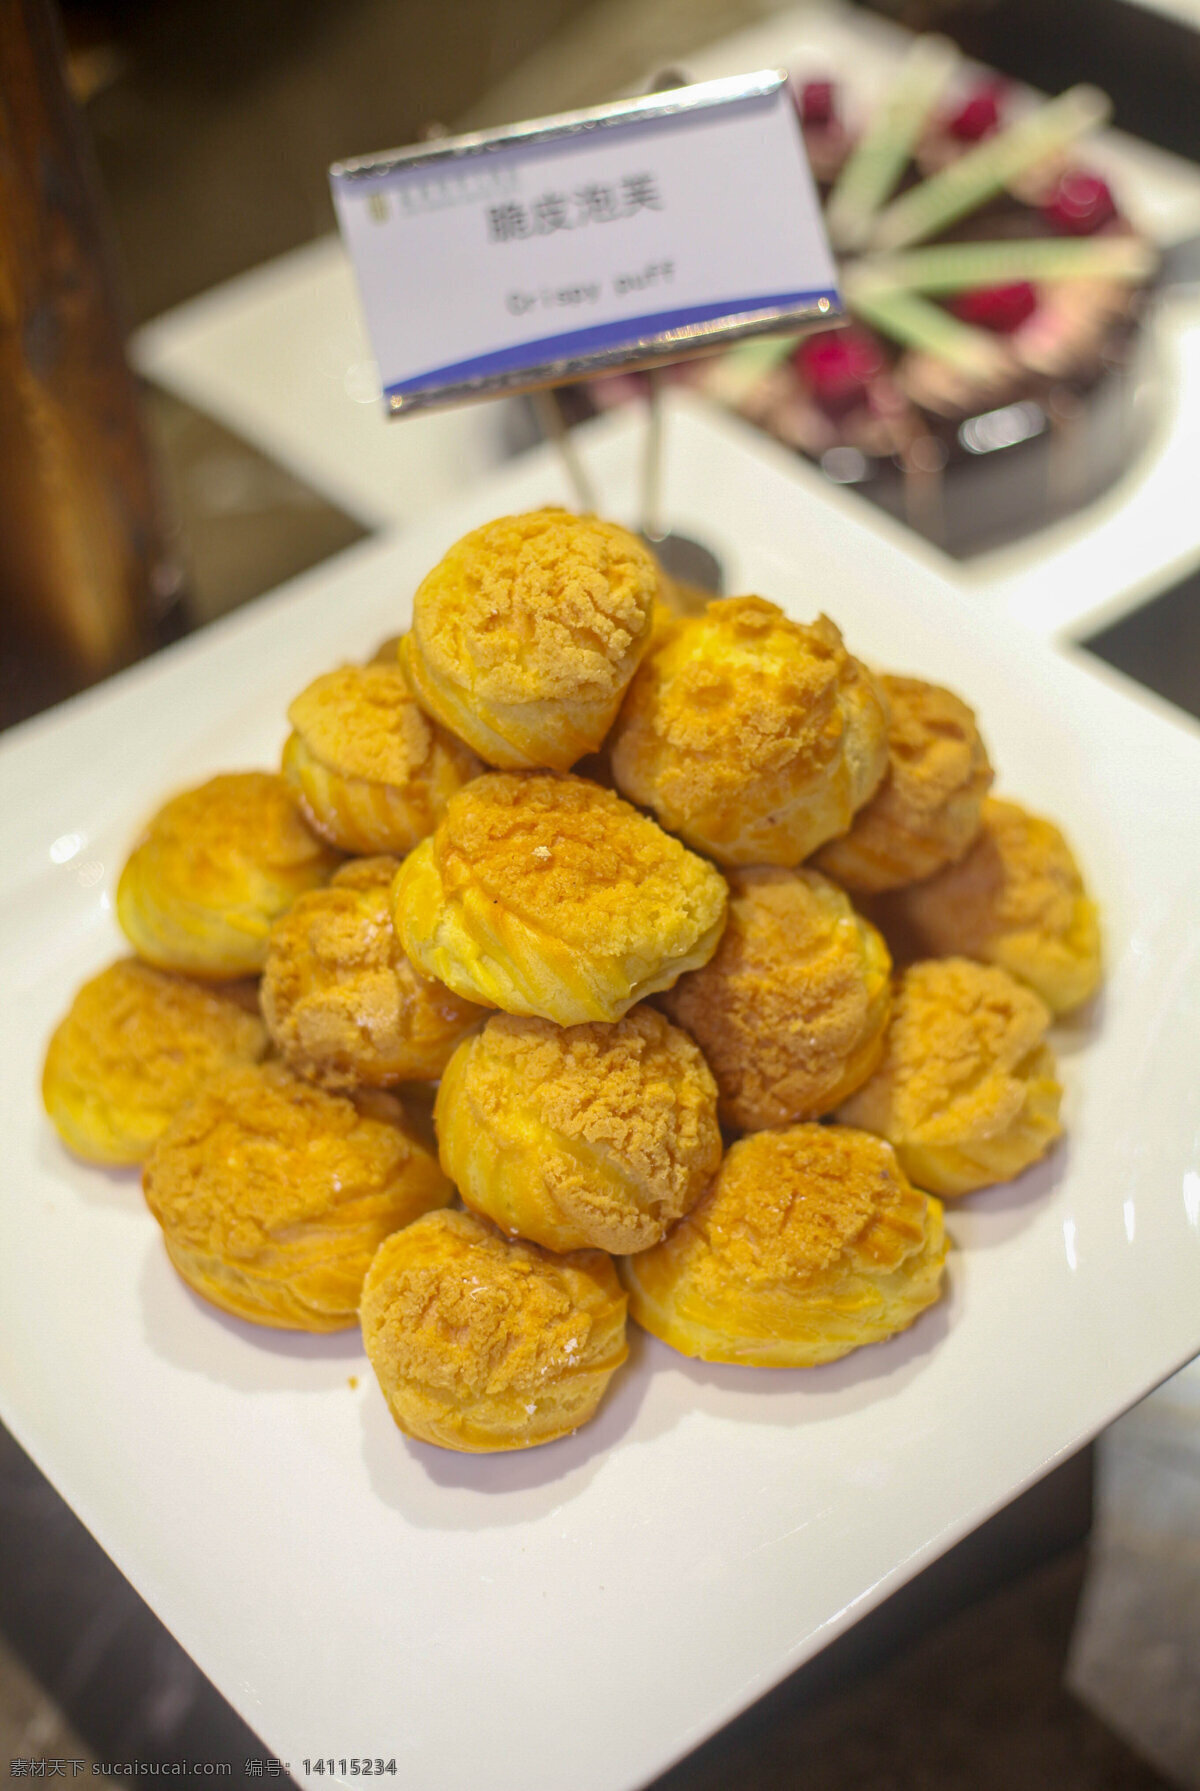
point(994, 289)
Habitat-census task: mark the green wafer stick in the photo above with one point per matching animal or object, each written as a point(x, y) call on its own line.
point(877, 161)
point(988, 168)
point(916, 323)
point(958, 267)
point(730, 376)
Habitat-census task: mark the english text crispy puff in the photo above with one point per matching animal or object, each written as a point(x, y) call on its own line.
point(966, 1090)
point(548, 895)
point(136, 1045)
point(1017, 899)
point(810, 1243)
point(580, 1137)
point(481, 1344)
point(273, 1196)
point(373, 773)
point(344, 1006)
point(929, 806)
point(791, 1010)
point(212, 871)
point(753, 737)
point(526, 634)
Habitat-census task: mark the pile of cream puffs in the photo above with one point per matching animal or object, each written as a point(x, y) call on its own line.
point(677, 1073)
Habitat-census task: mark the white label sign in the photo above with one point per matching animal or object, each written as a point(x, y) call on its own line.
point(614, 236)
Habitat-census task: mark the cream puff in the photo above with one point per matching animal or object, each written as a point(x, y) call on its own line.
point(810, 1243)
point(273, 1196)
point(214, 869)
point(597, 1136)
point(526, 634)
point(929, 806)
point(371, 771)
point(753, 737)
point(550, 896)
point(1017, 899)
point(345, 1007)
point(136, 1045)
point(966, 1090)
point(387, 652)
point(480, 1344)
point(790, 1011)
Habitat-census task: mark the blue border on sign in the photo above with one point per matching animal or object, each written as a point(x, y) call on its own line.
point(624, 332)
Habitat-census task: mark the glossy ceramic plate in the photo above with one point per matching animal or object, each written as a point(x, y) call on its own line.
point(582, 1615)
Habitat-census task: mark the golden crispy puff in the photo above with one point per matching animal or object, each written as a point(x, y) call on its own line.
point(213, 869)
point(579, 1137)
point(791, 1010)
point(966, 1089)
point(809, 1243)
point(344, 1006)
point(548, 895)
point(526, 634)
point(929, 806)
point(273, 1196)
point(386, 653)
point(679, 598)
point(481, 1344)
point(376, 872)
point(753, 737)
point(135, 1046)
point(373, 774)
point(1017, 899)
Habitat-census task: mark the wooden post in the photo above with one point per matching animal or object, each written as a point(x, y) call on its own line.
point(85, 574)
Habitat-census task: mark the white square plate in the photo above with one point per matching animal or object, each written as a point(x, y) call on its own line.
point(582, 1615)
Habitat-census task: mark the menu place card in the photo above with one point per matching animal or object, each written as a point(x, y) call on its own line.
point(624, 235)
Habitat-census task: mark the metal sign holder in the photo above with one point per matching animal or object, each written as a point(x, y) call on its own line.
point(449, 160)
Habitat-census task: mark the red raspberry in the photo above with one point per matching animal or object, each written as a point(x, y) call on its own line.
point(818, 104)
point(838, 366)
point(999, 308)
point(1080, 203)
point(979, 115)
